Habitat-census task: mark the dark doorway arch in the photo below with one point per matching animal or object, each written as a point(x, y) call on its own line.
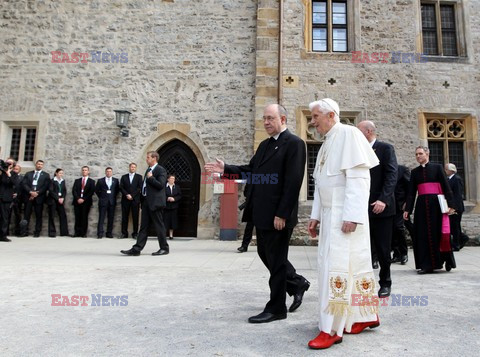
point(178, 159)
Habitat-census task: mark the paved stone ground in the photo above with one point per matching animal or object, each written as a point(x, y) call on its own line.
point(196, 301)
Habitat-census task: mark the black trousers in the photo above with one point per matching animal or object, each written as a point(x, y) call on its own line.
point(456, 230)
point(155, 219)
point(33, 205)
point(399, 241)
point(127, 207)
point(381, 238)
point(109, 211)
point(247, 234)
point(4, 213)
point(16, 212)
point(62, 217)
point(81, 219)
point(272, 247)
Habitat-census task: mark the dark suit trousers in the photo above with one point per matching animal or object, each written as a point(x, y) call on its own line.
point(81, 219)
point(4, 213)
point(128, 206)
point(247, 234)
point(272, 247)
point(381, 236)
point(456, 230)
point(155, 219)
point(62, 217)
point(109, 211)
point(399, 241)
point(16, 211)
point(38, 208)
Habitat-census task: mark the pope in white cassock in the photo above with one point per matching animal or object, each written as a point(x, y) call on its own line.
point(347, 299)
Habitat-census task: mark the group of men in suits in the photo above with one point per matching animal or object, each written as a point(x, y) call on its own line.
point(35, 188)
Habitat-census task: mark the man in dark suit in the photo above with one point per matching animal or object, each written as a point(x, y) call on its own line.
point(381, 210)
point(153, 202)
point(7, 191)
point(399, 242)
point(131, 188)
point(276, 174)
point(82, 191)
point(456, 184)
point(107, 190)
point(35, 186)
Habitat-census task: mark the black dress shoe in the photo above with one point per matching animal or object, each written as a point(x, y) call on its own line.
point(134, 235)
point(130, 252)
point(109, 235)
point(99, 236)
point(170, 237)
point(161, 252)
point(404, 259)
point(36, 235)
point(5, 239)
point(384, 291)
point(448, 266)
point(52, 235)
point(266, 317)
point(242, 249)
point(425, 271)
point(396, 259)
point(298, 297)
point(375, 264)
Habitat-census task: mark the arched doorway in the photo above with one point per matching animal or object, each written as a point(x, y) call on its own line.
point(178, 159)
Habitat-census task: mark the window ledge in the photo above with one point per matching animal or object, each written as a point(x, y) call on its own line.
point(446, 59)
point(339, 56)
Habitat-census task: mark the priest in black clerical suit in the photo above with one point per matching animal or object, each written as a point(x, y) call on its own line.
point(276, 174)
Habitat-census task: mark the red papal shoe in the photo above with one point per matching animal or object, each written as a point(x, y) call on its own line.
point(324, 340)
point(360, 326)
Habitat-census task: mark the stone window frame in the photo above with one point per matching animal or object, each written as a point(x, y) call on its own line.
point(469, 137)
point(353, 32)
point(10, 122)
point(303, 129)
point(462, 30)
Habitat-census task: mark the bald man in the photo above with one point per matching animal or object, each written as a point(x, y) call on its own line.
point(276, 175)
point(381, 208)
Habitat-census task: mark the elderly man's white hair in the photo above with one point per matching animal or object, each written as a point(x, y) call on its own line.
point(451, 167)
point(327, 105)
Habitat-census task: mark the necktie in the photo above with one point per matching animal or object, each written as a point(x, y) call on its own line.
point(35, 177)
point(144, 188)
point(83, 183)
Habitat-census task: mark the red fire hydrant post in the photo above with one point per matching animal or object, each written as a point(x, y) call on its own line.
point(229, 211)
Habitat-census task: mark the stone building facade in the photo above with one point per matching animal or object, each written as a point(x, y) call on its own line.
point(196, 75)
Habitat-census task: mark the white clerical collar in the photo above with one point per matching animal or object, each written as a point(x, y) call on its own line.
point(276, 136)
point(333, 129)
point(372, 142)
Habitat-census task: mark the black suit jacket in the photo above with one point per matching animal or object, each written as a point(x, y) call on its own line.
point(53, 191)
point(176, 193)
point(276, 175)
point(383, 179)
point(155, 188)
point(456, 184)
point(134, 188)
point(88, 191)
point(401, 188)
point(43, 183)
point(7, 186)
point(101, 189)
